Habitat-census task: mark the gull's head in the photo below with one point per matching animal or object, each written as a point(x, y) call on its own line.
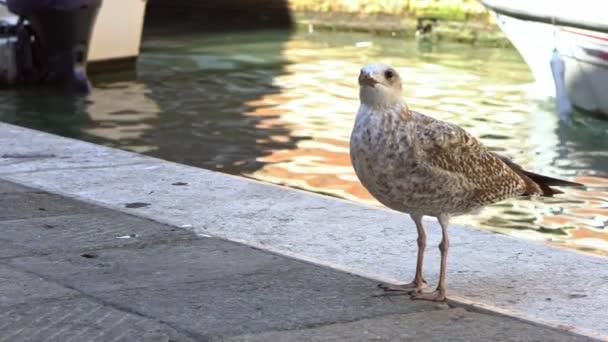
point(379, 86)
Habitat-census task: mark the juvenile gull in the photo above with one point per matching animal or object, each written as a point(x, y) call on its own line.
point(423, 166)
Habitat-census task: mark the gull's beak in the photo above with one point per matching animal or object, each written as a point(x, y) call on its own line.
point(366, 79)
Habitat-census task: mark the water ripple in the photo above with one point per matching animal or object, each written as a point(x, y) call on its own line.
point(279, 107)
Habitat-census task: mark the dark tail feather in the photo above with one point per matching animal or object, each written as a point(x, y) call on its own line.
point(531, 179)
point(545, 183)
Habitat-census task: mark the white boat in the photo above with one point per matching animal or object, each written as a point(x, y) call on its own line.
point(576, 30)
point(117, 32)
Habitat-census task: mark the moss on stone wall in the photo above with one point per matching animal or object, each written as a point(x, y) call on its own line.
point(459, 10)
point(468, 32)
point(466, 21)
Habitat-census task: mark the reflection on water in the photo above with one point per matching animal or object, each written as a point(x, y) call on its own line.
point(279, 107)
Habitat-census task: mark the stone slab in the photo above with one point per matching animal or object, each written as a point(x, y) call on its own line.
point(266, 300)
point(100, 229)
point(18, 287)
point(8, 249)
point(163, 288)
point(16, 155)
point(446, 325)
point(80, 320)
point(8, 187)
point(15, 206)
point(212, 287)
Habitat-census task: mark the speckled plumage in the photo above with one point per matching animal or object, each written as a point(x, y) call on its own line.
point(423, 166)
point(416, 164)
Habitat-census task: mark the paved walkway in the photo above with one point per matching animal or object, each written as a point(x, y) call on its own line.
point(71, 271)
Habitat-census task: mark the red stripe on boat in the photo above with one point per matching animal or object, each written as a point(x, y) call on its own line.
point(589, 35)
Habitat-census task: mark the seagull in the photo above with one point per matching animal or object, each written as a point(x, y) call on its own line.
point(419, 165)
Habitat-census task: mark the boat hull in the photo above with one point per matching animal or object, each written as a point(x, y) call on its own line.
point(584, 52)
point(117, 32)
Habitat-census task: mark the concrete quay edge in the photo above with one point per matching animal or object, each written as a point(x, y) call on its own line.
point(487, 272)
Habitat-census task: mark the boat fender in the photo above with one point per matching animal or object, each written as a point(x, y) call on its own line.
point(558, 67)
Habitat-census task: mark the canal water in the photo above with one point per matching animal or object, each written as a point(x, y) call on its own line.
point(279, 106)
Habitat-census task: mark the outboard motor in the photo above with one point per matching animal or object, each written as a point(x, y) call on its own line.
point(51, 41)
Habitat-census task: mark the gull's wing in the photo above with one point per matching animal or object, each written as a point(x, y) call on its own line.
point(448, 149)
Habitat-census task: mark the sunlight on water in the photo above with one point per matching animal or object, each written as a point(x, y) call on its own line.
point(466, 90)
point(279, 107)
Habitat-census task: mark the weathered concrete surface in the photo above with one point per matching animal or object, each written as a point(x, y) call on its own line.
point(84, 231)
point(35, 204)
point(79, 320)
point(18, 287)
point(533, 281)
point(444, 325)
point(166, 284)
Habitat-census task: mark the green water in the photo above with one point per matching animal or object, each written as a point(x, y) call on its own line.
point(279, 106)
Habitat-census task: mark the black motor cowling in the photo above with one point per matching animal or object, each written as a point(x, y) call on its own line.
point(26, 7)
point(54, 48)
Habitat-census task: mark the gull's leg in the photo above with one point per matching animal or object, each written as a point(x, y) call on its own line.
point(418, 283)
point(439, 294)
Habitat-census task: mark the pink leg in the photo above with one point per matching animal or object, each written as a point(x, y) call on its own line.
point(418, 283)
point(439, 295)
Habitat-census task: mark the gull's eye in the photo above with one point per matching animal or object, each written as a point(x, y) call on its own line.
point(389, 74)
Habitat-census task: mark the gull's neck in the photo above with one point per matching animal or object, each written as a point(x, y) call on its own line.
point(397, 107)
